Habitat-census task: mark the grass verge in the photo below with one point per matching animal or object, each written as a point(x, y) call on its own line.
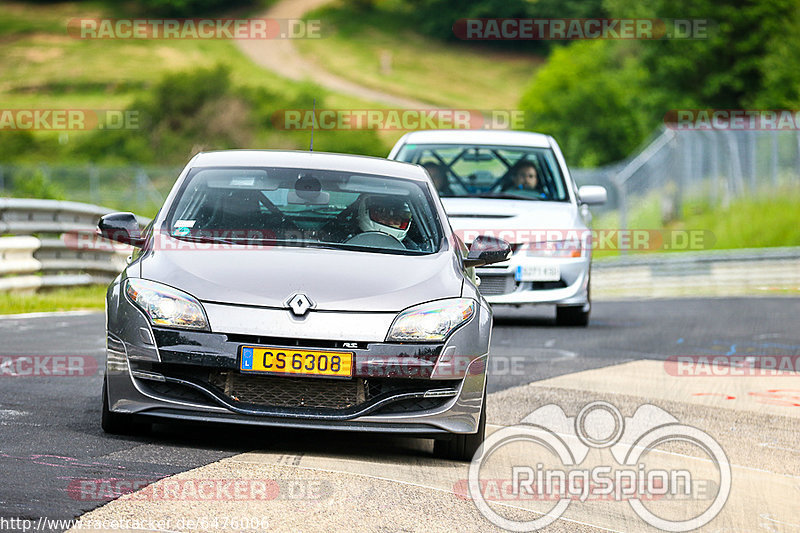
point(764, 220)
point(91, 297)
point(359, 45)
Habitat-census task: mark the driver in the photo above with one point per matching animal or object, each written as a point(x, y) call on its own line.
point(524, 177)
point(386, 214)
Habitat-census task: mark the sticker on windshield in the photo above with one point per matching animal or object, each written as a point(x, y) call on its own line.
point(184, 223)
point(180, 232)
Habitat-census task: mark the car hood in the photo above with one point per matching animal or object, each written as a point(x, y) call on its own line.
point(512, 220)
point(335, 280)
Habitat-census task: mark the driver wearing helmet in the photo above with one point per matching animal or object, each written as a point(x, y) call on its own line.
point(385, 214)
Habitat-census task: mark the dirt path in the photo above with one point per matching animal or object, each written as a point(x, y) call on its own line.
point(282, 57)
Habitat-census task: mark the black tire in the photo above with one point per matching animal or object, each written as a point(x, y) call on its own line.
point(462, 447)
point(572, 316)
point(116, 423)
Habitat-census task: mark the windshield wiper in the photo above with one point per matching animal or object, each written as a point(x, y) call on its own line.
point(200, 238)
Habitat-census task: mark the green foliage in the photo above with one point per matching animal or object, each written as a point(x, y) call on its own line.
point(724, 69)
point(436, 17)
point(188, 112)
point(601, 100)
point(35, 184)
point(16, 143)
point(765, 219)
point(188, 8)
point(590, 97)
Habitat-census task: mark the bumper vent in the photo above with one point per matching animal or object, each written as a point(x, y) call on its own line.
point(290, 392)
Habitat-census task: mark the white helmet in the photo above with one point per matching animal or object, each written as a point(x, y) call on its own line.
point(387, 214)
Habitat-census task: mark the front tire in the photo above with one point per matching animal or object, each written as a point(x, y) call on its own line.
point(462, 447)
point(572, 316)
point(116, 423)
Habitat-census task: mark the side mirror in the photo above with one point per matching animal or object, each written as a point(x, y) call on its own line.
point(486, 250)
point(121, 227)
point(592, 195)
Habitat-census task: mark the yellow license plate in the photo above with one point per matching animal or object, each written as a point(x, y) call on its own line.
point(283, 362)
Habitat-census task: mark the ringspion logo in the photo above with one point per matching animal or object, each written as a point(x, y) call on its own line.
point(561, 471)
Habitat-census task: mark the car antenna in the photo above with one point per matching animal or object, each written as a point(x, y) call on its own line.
point(313, 118)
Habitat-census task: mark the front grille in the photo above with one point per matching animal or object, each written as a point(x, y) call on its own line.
point(496, 285)
point(499, 285)
point(290, 392)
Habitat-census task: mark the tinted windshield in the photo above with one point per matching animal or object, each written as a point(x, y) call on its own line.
point(490, 171)
point(299, 207)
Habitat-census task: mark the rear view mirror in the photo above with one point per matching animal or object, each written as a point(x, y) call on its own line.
point(121, 227)
point(486, 250)
point(592, 195)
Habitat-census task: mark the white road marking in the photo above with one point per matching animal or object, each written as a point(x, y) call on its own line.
point(23, 316)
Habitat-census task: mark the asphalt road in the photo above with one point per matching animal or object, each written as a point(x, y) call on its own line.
point(49, 426)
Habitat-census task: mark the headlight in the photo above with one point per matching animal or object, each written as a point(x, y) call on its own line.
point(553, 249)
point(166, 306)
point(432, 321)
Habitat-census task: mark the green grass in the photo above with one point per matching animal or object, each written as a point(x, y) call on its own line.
point(41, 66)
point(769, 219)
point(455, 75)
point(91, 297)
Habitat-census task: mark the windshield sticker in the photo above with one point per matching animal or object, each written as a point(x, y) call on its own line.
point(184, 223)
point(180, 232)
point(242, 182)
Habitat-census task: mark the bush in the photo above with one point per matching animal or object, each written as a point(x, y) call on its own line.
point(35, 184)
point(189, 112)
point(188, 8)
point(591, 97)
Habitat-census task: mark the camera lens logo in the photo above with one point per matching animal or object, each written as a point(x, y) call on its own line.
point(600, 425)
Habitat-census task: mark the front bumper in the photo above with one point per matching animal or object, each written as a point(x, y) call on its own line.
point(403, 388)
point(499, 286)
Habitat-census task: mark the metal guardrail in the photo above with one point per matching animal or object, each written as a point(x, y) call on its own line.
point(39, 245)
point(39, 254)
point(714, 272)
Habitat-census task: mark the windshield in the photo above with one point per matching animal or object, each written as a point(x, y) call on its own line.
point(298, 207)
point(490, 171)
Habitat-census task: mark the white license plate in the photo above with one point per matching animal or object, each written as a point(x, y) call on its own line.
point(538, 273)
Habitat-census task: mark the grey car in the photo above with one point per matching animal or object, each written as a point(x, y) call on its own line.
point(305, 290)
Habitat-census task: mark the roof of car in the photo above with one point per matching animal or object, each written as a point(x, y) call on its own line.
point(309, 160)
point(494, 137)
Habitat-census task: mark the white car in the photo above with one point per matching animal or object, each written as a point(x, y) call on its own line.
point(515, 186)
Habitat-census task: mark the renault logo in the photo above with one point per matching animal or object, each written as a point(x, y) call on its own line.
point(299, 304)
